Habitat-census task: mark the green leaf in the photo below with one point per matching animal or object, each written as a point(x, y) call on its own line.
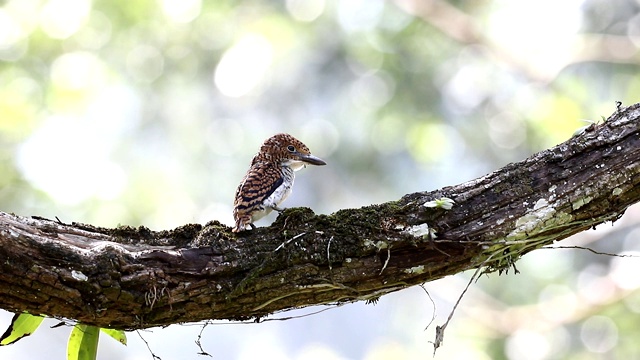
point(83, 343)
point(119, 335)
point(21, 325)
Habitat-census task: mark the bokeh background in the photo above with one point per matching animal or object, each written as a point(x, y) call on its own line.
point(142, 112)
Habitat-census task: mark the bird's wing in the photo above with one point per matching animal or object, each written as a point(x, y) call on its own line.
point(258, 184)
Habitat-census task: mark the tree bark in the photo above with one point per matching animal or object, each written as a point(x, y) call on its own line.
point(134, 278)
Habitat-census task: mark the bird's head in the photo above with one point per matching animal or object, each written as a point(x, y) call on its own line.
point(287, 151)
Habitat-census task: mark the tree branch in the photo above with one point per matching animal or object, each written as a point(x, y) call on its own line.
point(134, 278)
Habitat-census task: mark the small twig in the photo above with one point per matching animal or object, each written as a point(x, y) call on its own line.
point(281, 246)
point(61, 323)
point(151, 296)
point(386, 262)
point(335, 306)
point(154, 356)
point(286, 318)
point(433, 303)
point(199, 343)
point(440, 329)
point(328, 256)
point(590, 250)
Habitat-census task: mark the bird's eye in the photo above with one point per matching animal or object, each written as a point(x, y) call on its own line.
point(291, 148)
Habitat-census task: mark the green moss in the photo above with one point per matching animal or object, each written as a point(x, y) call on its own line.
point(293, 218)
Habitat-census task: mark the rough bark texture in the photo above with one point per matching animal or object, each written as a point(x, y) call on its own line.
point(133, 278)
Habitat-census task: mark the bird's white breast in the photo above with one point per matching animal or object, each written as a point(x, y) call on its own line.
point(278, 195)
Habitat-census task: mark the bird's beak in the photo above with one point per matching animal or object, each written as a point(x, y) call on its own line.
point(313, 160)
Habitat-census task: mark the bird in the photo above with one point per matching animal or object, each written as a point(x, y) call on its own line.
point(269, 180)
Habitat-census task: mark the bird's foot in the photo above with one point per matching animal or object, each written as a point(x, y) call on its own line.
point(244, 227)
point(278, 209)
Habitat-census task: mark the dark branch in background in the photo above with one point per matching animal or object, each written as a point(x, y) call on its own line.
point(134, 278)
point(465, 29)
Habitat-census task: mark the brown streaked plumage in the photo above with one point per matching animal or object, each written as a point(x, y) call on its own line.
point(270, 178)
